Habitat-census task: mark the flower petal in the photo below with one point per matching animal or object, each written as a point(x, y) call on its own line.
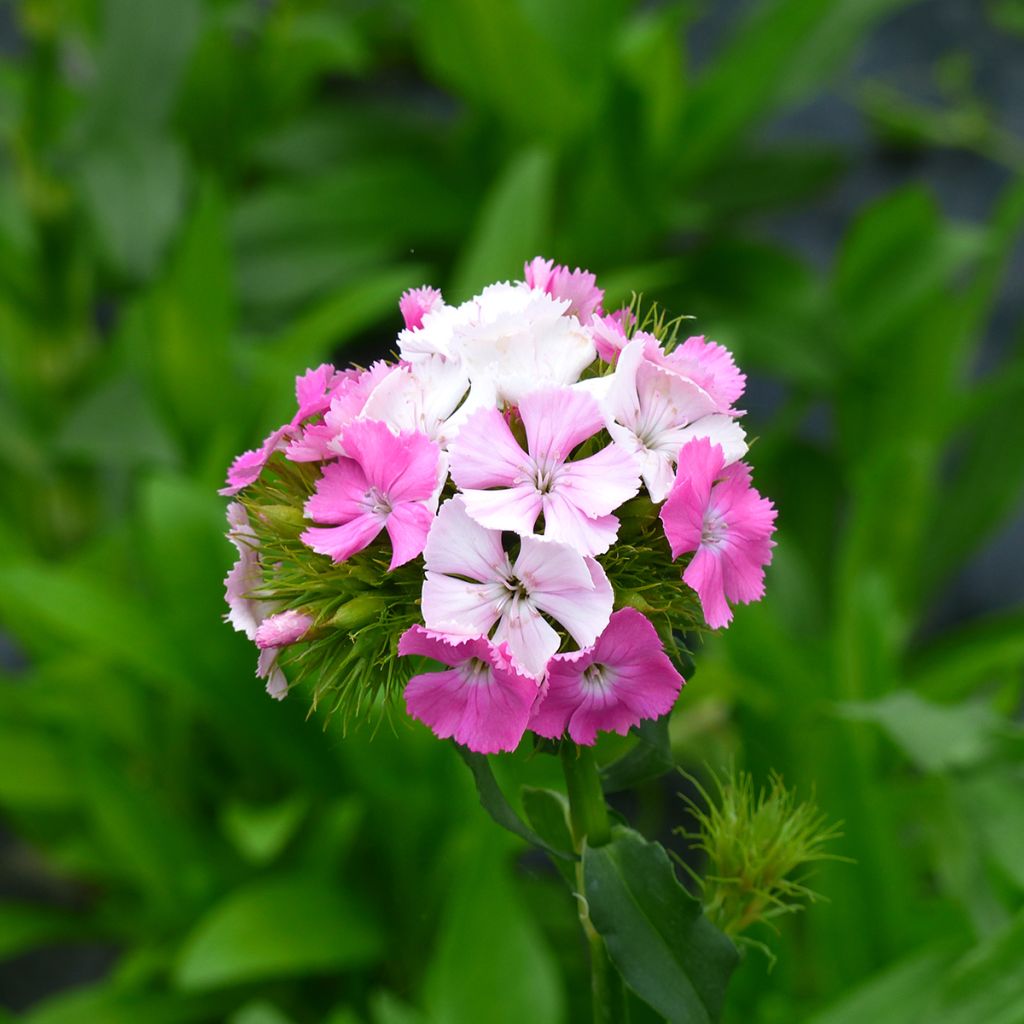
point(485, 454)
point(462, 547)
point(340, 493)
point(408, 525)
point(455, 606)
point(341, 542)
point(557, 420)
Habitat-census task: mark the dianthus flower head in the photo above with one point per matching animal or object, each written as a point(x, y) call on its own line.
point(479, 502)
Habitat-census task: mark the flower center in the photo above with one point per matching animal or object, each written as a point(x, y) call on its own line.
point(475, 671)
point(376, 503)
point(714, 528)
point(545, 475)
point(598, 677)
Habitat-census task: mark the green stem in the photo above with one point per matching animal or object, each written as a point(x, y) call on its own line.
point(588, 816)
point(587, 809)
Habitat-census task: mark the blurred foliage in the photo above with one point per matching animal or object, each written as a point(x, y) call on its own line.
point(200, 199)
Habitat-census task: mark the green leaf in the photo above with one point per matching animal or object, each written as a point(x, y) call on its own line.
point(512, 227)
point(278, 927)
point(893, 996)
point(106, 1002)
point(259, 1012)
point(935, 737)
point(144, 47)
point(548, 814)
point(134, 189)
point(36, 772)
point(24, 927)
point(650, 758)
point(261, 832)
point(655, 933)
point(491, 963)
point(116, 425)
point(499, 808)
point(387, 1008)
point(993, 802)
point(986, 985)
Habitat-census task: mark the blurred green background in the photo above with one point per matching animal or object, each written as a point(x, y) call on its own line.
point(200, 199)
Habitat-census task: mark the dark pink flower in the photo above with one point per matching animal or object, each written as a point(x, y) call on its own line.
point(622, 679)
point(384, 481)
point(416, 303)
point(481, 702)
point(713, 511)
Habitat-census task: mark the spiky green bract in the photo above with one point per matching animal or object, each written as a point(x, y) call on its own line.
point(359, 608)
point(653, 319)
point(758, 843)
point(644, 576)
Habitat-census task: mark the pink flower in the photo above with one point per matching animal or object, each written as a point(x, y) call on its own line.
point(313, 392)
point(654, 411)
point(319, 440)
point(713, 511)
point(577, 286)
point(416, 303)
point(383, 482)
point(706, 363)
point(268, 669)
point(282, 629)
point(472, 587)
point(505, 488)
point(610, 333)
point(481, 701)
point(625, 677)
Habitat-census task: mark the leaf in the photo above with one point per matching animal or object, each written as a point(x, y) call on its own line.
point(548, 814)
point(655, 933)
point(261, 832)
point(259, 1012)
point(650, 758)
point(25, 926)
point(278, 927)
point(892, 996)
point(512, 226)
point(134, 190)
point(34, 769)
point(491, 963)
point(993, 802)
point(106, 1002)
point(494, 802)
point(143, 51)
point(935, 737)
point(116, 425)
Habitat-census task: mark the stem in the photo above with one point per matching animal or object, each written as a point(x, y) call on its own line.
point(587, 809)
point(588, 816)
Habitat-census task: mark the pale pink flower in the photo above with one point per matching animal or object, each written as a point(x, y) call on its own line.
point(416, 303)
point(282, 629)
point(653, 411)
point(320, 440)
point(267, 668)
point(706, 363)
point(577, 286)
point(505, 488)
point(623, 678)
point(382, 482)
point(713, 511)
point(246, 611)
point(481, 702)
point(473, 589)
point(421, 397)
point(610, 333)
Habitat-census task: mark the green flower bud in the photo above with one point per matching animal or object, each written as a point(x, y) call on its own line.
point(360, 611)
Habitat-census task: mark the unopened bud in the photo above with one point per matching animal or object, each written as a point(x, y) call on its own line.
point(358, 612)
point(286, 518)
point(282, 629)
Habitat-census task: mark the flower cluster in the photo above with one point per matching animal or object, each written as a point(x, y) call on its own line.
point(540, 496)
